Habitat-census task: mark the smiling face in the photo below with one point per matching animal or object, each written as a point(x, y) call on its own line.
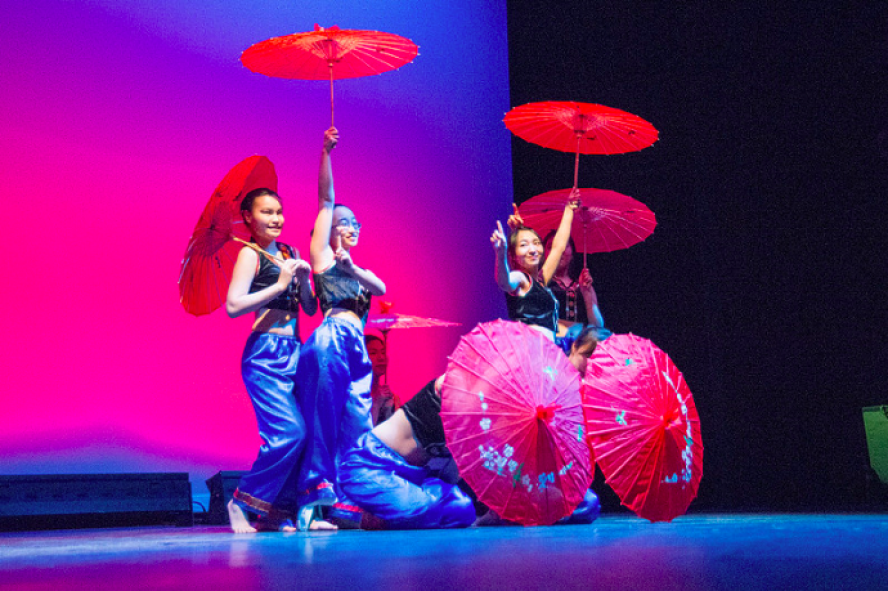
point(527, 250)
point(265, 219)
point(345, 226)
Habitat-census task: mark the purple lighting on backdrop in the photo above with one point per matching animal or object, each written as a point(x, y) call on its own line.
point(122, 119)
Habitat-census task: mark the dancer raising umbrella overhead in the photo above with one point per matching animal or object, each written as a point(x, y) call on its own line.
point(334, 369)
point(523, 271)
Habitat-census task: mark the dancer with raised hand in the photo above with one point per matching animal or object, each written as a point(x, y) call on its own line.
point(272, 284)
point(571, 286)
point(523, 271)
point(335, 370)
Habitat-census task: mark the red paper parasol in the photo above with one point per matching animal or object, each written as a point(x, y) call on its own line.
point(217, 238)
point(643, 427)
point(388, 320)
point(391, 321)
point(331, 53)
point(513, 420)
point(605, 221)
point(583, 128)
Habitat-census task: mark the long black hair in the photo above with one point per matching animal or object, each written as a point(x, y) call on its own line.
point(576, 264)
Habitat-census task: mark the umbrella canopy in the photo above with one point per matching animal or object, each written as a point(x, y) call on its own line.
point(211, 252)
point(580, 127)
point(605, 221)
point(393, 321)
point(330, 53)
point(643, 427)
point(511, 409)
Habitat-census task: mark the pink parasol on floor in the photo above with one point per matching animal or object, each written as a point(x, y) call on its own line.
point(513, 421)
point(643, 427)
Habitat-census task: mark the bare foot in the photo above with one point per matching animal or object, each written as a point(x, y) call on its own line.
point(275, 524)
point(310, 520)
point(492, 518)
point(238, 519)
point(321, 525)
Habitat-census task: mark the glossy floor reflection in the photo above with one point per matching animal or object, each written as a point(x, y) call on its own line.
point(691, 553)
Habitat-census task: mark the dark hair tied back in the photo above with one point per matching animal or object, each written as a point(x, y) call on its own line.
point(249, 198)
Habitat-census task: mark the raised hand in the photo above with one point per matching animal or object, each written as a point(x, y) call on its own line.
point(573, 200)
point(331, 138)
point(498, 239)
point(515, 220)
point(585, 282)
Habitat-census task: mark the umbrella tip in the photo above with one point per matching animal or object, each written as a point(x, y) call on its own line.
point(546, 413)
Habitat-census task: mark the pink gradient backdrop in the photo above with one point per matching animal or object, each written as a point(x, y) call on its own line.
point(119, 119)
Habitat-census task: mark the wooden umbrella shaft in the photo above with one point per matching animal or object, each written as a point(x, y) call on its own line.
point(383, 379)
point(577, 162)
point(332, 110)
point(260, 250)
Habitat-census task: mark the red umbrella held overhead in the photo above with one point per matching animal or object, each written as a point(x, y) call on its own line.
point(605, 221)
point(218, 236)
point(643, 427)
point(511, 409)
point(582, 128)
point(330, 53)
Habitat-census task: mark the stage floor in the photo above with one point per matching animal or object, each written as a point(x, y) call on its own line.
point(699, 552)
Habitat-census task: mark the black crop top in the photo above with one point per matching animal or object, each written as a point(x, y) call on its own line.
point(424, 414)
point(537, 307)
point(571, 305)
point(335, 289)
point(268, 274)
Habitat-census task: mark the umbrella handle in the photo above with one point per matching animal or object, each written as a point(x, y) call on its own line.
point(577, 162)
point(383, 379)
point(332, 111)
point(268, 255)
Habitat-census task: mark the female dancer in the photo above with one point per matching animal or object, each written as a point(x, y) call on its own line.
point(384, 400)
point(577, 300)
point(571, 287)
point(272, 287)
point(528, 298)
point(334, 369)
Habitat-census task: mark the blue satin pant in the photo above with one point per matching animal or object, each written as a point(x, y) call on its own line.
point(333, 391)
point(268, 367)
point(585, 513)
point(381, 481)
